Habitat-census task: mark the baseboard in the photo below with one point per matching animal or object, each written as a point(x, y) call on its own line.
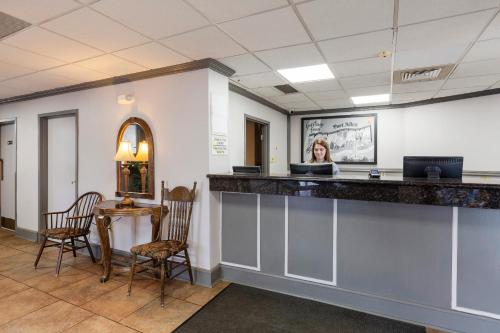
point(8, 223)
point(27, 234)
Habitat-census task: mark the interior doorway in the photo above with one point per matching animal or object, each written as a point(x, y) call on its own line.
point(8, 174)
point(257, 143)
point(58, 178)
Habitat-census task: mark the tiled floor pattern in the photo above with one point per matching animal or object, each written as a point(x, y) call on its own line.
point(37, 301)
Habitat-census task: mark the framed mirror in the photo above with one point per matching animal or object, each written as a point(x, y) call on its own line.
point(135, 160)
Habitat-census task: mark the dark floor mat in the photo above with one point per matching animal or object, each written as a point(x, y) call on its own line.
point(244, 309)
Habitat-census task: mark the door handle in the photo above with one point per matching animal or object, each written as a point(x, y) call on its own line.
point(73, 182)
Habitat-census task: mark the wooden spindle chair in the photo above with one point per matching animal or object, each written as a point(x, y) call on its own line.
point(65, 228)
point(170, 249)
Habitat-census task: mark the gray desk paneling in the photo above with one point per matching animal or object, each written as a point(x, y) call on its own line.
point(310, 237)
point(272, 234)
point(478, 264)
point(396, 250)
point(239, 228)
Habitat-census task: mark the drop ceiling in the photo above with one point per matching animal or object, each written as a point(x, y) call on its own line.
point(74, 41)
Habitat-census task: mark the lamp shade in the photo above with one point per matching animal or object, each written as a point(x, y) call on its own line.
point(142, 154)
point(124, 153)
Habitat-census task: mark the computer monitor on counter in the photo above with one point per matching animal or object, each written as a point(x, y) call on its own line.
point(433, 166)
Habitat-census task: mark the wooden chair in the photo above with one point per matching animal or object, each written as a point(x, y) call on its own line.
point(167, 252)
point(67, 227)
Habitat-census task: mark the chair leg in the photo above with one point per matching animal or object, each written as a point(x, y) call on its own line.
point(59, 258)
point(132, 272)
point(42, 247)
point(89, 248)
point(162, 282)
point(188, 263)
point(73, 246)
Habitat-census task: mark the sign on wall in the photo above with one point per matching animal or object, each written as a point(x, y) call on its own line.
point(352, 139)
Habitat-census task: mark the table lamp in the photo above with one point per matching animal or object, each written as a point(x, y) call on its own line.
point(125, 155)
point(143, 157)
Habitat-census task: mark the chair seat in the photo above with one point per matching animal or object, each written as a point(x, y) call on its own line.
point(63, 233)
point(160, 249)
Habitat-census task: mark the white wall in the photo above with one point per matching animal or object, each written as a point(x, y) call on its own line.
point(8, 186)
point(467, 127)
point(239, 106)
point(176, 107)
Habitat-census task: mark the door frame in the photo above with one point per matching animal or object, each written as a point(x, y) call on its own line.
point(265, 142)
point(43, 158)
point(9, 121)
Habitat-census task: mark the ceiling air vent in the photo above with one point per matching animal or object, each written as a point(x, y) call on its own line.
point(422, 74)
point(286, 88)
point(10, 24)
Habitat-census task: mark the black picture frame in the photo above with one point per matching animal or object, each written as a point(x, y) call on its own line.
point(343, 126)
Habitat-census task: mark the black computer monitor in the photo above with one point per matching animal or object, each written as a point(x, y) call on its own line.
point(246, 169)
point(311, 168)
point(433, 166)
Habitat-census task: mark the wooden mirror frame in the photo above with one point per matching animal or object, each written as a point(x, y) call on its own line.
point(150, 194)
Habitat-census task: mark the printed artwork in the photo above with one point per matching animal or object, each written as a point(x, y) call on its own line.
point(352, 139)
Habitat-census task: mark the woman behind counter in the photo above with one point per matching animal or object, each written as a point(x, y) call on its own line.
point(320, 153)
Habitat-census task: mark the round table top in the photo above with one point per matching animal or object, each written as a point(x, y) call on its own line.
point(114, 208)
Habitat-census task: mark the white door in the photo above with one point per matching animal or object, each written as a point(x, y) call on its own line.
point(8, 183)
point(61, 163)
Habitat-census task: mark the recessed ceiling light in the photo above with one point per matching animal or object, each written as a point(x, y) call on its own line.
point(307, 73)
point(370, 99)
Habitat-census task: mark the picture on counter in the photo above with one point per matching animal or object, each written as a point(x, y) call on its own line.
point(352, 139)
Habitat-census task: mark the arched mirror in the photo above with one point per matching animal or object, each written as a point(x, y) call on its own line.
point(135, 160)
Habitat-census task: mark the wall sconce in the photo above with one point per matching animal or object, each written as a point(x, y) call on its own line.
point(125, 99)
point(143, 157)
point(125, 155)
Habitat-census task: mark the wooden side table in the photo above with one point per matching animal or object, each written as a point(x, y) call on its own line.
point(110, 208)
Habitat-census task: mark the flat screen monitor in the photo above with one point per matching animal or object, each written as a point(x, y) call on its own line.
point(433, 166)
point(311, 168)
point(246, 169)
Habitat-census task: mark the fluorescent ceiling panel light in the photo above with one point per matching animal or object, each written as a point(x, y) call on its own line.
point(307, 73)
point(370, 99)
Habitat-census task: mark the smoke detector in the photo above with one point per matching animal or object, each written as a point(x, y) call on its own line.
point(422, 74)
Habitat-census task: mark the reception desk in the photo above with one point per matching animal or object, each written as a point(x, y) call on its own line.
point(416, 250)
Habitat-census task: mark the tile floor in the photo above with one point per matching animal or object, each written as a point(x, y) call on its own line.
point(36, 301)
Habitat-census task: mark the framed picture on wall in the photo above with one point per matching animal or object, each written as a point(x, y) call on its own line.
point(352, 139)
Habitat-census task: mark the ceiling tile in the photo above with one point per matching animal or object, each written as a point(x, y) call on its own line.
point(224, 10)
point(476, 68)
point(87, 2)
point(357, 47)
point(483, 50)
point(152, 55)
point(50, 44)
point(77, 73)
point(428, 57)
point(411, 11)
point(327, 95)
point(417, 86)
point(154, 18)
point(27, 59)
point(100, 32)
point(260, 80)
point(367, 91)
point(324, 85)
point(366, 80)
point(300, 106)
point(36, 11)
point(473, 81)
point(208, 42)
point(459, 91)
point(9, 70)
point(361, 67)
point(10, 92)
point(412, 97)
point(290, 98)
point(267, 92)
point(329, 19)
point(245, 64)
point(497, 85)
point(335, 103)
point(111, 65)
point(493, 29)
point(442, 33)
point(268, 30)
point(292, 56)
point(39, 81)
